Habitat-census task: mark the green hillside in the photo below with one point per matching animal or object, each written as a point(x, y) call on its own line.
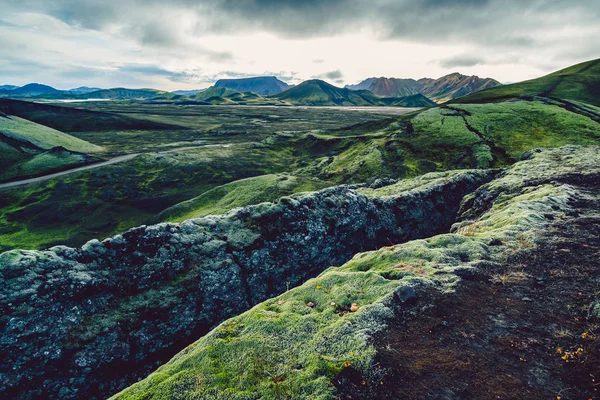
point(437, 139)
point(319, 93)
point(123, 93)
point(214, 92)
point(262, 85)
point(69, 119)
point(226, 96)
point(240, 193)
point(415, 100)
point(41, 136)
point(579, 82)
point(29, 149)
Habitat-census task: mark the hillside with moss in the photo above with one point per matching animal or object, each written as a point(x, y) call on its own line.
point(322, 339)
point(150, 187)
point(319, 339)
point(579, 82)
point(305, 252)
point(30, 149)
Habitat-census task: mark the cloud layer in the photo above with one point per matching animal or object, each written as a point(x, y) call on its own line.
point(187, 43)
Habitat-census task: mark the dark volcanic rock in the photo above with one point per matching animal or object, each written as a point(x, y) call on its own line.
point(85, 323)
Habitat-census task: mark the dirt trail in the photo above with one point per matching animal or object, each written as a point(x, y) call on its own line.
point(30, 181)
point(115, 160)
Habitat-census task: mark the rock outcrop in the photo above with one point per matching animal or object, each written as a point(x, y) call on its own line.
point(87, 322)
point(504, 295)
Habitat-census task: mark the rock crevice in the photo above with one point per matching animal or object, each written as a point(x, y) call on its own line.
point(85, 323)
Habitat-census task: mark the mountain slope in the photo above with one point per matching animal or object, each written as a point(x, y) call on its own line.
point(67, 119)
point(262, 85)
point(214, 92)
point(454, 85)
point(442, 89)
point(122, 93)
point(30, 90)
point(319, 93)
point(189, 93)
point(83, 90)
point(389, 87)
point(415, 100)
point(29, 149)
point(579, 82)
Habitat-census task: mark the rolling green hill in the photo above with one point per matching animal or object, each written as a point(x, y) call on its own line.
point(579, 82)
point(123, 93)
point(41, 136)
point(226, 96)
point(29, 149)
point(29, 90)
point(319, 93)
point(240, 193)
point(214, 92)
point(415, 100)
point(68, 119)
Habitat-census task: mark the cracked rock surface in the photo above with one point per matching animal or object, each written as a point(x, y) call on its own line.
point(87, 322)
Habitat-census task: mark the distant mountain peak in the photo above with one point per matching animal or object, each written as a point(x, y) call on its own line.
point(262, 85)
point(442, 89)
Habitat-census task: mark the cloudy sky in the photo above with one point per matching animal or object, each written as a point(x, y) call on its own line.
point(185, 44)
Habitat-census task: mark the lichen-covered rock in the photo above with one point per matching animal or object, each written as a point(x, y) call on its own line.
point(283, 349)
point(85, 323)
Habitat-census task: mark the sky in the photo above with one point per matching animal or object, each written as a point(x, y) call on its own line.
point(187, 44)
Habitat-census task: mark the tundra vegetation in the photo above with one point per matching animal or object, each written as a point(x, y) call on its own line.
point(293, 252)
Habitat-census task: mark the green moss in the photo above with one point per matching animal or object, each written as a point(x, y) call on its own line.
point(295, 344)
point(405, 185)
point(43, 136)
point(241, 193)
point(511, 211)
point(518, 126)
point(292, 346)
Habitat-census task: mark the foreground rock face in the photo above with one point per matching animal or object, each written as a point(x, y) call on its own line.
point(85, 323)
point(500, 296)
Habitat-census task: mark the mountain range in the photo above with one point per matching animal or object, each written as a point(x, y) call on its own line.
point(320, 93)
point(446, 88)
point(268, 90)
point(297, 261)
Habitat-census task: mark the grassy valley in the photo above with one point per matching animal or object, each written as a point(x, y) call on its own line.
point(198, 181)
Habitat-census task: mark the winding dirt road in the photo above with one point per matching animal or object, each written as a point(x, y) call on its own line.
point(43, 178)
point(114, 160)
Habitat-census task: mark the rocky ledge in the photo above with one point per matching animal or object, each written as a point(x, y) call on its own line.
point(505, 306)
point(88, 322)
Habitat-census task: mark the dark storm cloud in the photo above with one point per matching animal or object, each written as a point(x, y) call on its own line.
point(463, 60)
point(505, 23)
point(335, 76)
point(540, 34)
